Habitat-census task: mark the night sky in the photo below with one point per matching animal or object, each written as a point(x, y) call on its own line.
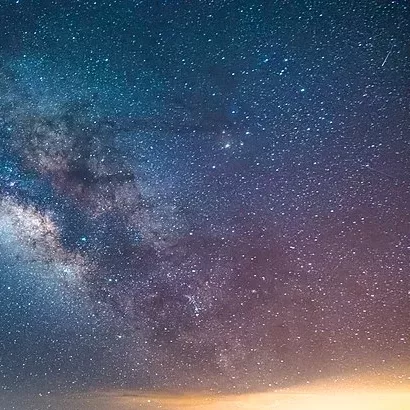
point(206, 195)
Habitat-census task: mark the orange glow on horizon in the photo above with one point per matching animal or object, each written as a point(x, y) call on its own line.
point(381, 392)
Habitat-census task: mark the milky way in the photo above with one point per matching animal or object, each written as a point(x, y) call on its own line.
point(206, 194)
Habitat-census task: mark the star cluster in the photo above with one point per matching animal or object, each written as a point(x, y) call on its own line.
point(203, 194)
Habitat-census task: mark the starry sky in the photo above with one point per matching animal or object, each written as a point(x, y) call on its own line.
point(208, 195)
